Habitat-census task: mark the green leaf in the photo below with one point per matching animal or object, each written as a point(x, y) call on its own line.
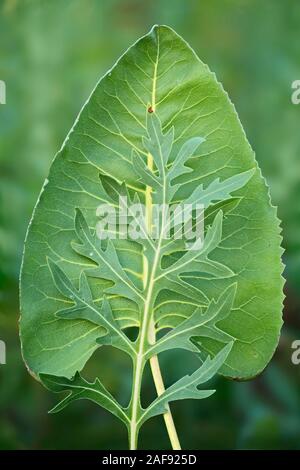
point(109, 265)
point(198, 324)
point(187, 387)
point(79, 389)
point(85, 309)
point(157, 130)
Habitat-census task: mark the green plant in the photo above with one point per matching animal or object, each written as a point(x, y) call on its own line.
point(158, 128)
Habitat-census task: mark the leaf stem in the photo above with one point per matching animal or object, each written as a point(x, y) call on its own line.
point(135, 401)
point(160, 388)
point(154, 363)
point(147, 321)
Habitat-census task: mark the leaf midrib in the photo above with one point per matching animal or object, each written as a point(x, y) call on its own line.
point(143, 332)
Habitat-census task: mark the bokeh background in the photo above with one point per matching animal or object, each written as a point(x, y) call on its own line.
point(51, 55)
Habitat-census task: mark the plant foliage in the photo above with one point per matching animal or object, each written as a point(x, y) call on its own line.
point(159, 129)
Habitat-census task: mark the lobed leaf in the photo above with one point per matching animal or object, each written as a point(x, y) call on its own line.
point(187, 387)
point(157, 129)
point(79, 389)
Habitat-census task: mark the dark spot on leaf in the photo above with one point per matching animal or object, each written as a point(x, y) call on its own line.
point(150, 109)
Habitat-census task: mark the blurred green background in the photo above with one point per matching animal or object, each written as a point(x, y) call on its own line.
point(51, 55)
